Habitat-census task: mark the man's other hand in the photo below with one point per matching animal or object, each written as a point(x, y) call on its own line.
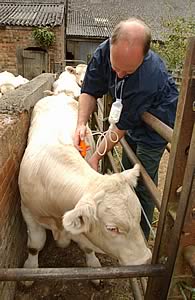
point(80, 135)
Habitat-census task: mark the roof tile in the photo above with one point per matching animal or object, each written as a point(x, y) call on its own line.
point(31, 14)
point(96, 18)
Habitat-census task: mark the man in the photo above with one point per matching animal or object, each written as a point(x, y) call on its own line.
point(135, 76)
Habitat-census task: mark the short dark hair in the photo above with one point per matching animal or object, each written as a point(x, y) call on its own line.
point(120, 33)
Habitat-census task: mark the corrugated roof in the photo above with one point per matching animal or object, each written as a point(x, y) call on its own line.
point(96, 18)
point(81, 23)
point(31, 14)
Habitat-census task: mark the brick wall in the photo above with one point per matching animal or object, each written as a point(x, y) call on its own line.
point(12, 231)
point(14, 39)
point(14, 122)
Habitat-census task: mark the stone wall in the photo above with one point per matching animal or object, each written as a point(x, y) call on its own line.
point(15, 111)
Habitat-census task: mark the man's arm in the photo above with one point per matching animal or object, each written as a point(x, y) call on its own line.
point(87, 104)
point(112, 137)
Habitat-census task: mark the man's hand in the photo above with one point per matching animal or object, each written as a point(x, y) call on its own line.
point(87, 104)
point(80, 135)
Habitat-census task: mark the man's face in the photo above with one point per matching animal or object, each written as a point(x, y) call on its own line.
point(124, 59)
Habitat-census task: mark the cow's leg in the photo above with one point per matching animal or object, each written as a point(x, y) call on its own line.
point(91, 258)
point(92, 261)
point(36, 240)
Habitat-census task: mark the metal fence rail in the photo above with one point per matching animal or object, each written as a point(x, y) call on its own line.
point(18, 274)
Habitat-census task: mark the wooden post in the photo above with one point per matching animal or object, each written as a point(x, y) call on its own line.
point(171, 231)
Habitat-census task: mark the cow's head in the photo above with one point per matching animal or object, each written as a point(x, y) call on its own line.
point(110, 218)
point(80, 73)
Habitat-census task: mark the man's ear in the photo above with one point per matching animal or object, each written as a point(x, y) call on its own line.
point(79, 219)
point(131, 175)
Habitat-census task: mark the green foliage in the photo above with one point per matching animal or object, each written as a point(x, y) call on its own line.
point(176, 33)
point(43, 36)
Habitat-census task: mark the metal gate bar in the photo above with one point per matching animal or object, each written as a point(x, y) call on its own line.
point(161, 128)
point(18, 274)
point(150, 185)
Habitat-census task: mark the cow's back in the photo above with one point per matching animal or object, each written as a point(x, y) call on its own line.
point(54, 118)
point(53, 175)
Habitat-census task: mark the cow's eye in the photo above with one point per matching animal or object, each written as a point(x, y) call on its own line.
point(112, 228)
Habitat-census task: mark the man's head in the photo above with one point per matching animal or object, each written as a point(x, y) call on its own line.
point(130, 41)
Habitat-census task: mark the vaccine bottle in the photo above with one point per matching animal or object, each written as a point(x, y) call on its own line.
point(115, 111)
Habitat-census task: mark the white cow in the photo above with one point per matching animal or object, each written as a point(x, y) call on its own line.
point(61, 192)
point(9, 82)
point(80, 71)
point(6, 87)
point(69, 81)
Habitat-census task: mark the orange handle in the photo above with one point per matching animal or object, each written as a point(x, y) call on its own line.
point(84, 148)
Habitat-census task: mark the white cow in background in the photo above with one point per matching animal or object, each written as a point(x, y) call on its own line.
point(9, 82)
point(69, 81)
point(80, 73)
point(61, 192)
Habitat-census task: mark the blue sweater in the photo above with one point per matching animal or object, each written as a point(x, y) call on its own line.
point(150, 88)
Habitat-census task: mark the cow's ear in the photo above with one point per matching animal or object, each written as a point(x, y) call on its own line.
point(131, 175)
point(79, 219)
point(70, 69)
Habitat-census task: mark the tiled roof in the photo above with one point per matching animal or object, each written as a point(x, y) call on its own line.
point(34, 1)
point(26, 14)
point(96, 18)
